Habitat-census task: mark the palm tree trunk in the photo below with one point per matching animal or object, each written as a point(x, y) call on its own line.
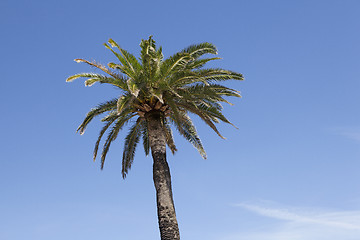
point(168, 225)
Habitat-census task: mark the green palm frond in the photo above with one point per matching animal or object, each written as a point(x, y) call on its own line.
point(94, 77)
point(124, 102)
point(113, 135)
point(129, 64)
point(208, 119)
point(131, 141)
point(174, 63)
point(169, 136)
point(145, 135)
point(150, 58)
point(188, 131)
point(124, 59)
point(101, 108)
point(101, 134)
point(197, 50)
point(214, 113)
point(133, 87)
point(175, 111)
point(111, 115)
point(183, 78)
point(217, 74)
point(199, 63)
point(214, 93)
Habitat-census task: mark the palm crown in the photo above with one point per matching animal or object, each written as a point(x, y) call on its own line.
point(172, 87)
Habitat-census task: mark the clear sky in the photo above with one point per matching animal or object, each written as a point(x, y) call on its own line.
point(289, 172)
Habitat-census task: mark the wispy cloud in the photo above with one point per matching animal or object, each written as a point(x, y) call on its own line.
point(334, 219)
point(349, 132)
point(302, 224)
point(355, 135)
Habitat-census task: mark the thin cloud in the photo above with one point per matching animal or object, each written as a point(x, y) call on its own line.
point(300, 224)
point(334, 219)
point(349, 132)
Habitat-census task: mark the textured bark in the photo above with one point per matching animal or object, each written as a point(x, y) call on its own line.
point(168, 225)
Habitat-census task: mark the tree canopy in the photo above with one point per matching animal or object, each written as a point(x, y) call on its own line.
point(174, 87)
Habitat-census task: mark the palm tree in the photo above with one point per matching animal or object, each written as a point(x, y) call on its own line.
point(155, 94)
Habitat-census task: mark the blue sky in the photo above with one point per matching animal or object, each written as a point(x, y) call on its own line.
point(289, 172)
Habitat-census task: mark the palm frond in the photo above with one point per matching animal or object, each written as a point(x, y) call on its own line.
point(207, 93)
point(145, 135)
point(97, 65)
point(128, 60)
point(197, 50)
point(133, 88)
point(187, 129)
point(169, 136)
point(101, 108)
point(204, 116)
point(214, 113)
point(150, 57)
point(217, 74)
point(113, 135)
point(183, 78)
point(101, 134)
point(123, 102)
point(119, 82)
point(175, 112)
point(131, 141)
point(173, 63)
point(199, 63)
